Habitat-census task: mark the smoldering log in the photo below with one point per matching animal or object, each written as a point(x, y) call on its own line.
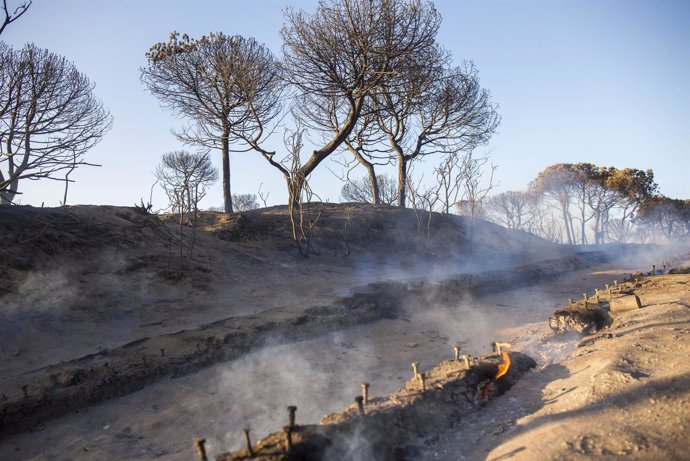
point(394, 421)
point(579, 319)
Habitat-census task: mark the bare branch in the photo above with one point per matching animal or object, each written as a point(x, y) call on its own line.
point(13, 16)
point(49, 117)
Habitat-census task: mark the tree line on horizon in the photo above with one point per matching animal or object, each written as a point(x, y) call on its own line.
point(582, 203)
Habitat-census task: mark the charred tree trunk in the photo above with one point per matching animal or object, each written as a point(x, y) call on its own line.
point(402, 181)
point(373, 182)
point(567, 222)
point(225, 151)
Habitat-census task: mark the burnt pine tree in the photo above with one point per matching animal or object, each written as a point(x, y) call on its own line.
point(435, 109)
point(335, 59)
point(229, 88)
point(185, 179)
point(49, 117)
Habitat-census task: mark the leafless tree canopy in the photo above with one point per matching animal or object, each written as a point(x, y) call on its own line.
point(245, 202)
point(49, 117)
point(185, 178)
point(359, 190)
point(362, 75)
point(11, 15)
point(441, 111)
point(230, 88)
point(511, 209)
point(335, 58)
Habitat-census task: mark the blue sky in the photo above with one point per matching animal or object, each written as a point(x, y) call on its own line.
point(600, 81)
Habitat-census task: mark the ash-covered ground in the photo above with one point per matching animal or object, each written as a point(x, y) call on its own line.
point(275, 329)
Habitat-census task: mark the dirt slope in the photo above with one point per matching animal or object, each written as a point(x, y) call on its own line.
point(623, 393)
point(85, 279)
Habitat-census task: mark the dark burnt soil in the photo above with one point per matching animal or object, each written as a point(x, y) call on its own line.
point(383, 427)
point(59, 389)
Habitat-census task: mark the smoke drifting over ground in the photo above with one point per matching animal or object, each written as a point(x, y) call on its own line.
point(110, 284)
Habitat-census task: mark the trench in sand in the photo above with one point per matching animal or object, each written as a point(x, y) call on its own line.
point(318, 375)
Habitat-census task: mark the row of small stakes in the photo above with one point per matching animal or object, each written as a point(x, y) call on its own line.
point(360, 400)
point(616, 286)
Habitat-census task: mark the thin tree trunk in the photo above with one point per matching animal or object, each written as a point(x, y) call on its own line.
point(567, 223)
point(402, 181)
point(227, 196)
point(373, 183)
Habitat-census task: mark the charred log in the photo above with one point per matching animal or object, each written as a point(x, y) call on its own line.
point(580, 319)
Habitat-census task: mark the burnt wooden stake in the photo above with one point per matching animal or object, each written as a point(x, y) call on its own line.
point(415, 369)
point(200, 449)
point(456, 353)
point(422, 381)
point(288, 438)
point(360, 405)
point(498, 347)
point(291, 415)
point(248, 440)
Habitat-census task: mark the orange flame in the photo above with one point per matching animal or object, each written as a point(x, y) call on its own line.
point(503, 367)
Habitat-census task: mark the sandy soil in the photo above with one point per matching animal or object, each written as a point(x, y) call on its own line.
point(623, 393)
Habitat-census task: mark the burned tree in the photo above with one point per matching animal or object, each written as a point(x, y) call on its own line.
point(434, 109)
point(511, 209)
point(336, 58)
point(359, 144)
point(360, 191)
point(13, 15)
point(474, 187)
point(185, 179)
point(49, 117)
point(230, 88)
point(303, 216)
point(244, 202)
